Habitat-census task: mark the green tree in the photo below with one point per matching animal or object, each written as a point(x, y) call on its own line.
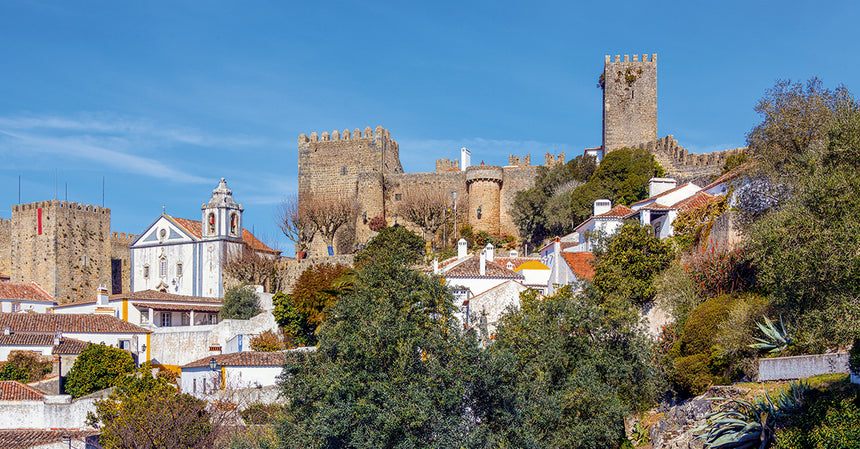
point(391, 369)
point(625, 268)
point(148, 413)
point(804, 249)
point(98, 367)
point(240, 303)
point(393, 246)
point(563, 196)
point(25, 367)
point(294, 324)
point(312, 295)
point(570, 372)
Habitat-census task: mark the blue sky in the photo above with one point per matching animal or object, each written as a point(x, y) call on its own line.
point(161, 99)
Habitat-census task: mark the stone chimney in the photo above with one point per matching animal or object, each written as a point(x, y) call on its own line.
point(482, 270)
point(657, 186)
point(102, 296)
point(462, 248)
point(602, 207)
point(491, 252)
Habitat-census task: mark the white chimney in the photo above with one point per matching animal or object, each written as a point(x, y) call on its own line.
point(491, 252)
point(657, 186)
point(482, 270)
point(6, 330)
point(435, 266)
point(465, 158)
point(462, 248)
point(602, 207)
point(102, 296)
point(58, 337)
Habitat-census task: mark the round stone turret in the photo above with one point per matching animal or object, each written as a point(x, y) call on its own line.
point(484, 183)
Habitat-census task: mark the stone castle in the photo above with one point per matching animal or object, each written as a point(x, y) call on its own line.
point(366, 165)
point(65, 247)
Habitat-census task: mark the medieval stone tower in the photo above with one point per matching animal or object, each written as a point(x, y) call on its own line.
point(484, 184)
point(629, 101)
point(64, 247)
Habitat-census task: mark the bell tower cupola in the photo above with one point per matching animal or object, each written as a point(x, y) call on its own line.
point(222, 216)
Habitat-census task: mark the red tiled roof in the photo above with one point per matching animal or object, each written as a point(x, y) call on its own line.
point(195, 228)
point(147, 295)
point(68, 323)
point(471, 269)
point(247, 358)
point(515, 261)
point(24, 292)
point(580, 264)
point(619, 211)
point(69, 346)
point(178, 307)
point(26, 438)
point(699, 199)
point(11, 390)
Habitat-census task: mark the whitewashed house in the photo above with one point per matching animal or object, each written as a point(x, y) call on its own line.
point(186, 257)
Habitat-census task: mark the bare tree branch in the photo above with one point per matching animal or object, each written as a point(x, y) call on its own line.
point(425, 207)
point(328, 213)
point(295, 223)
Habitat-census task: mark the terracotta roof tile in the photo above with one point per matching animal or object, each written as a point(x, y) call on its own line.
point(24, 292)
point(155, 295)
point(247, 358)
point(68, 323)
point(178, 307)
point(26, 438)
point(195, 228)
point(699, 199)
point(580, 264)
point(515, 261)
point(69, 346)
point(16, 391)
point(619, 211)
point(471, 269)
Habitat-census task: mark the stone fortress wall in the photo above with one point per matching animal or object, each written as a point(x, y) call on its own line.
point(73, 255)
point(366, 165)
point(63, 246)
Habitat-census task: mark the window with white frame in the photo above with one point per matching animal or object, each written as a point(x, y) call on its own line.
point(213, 318)
point(163, 269)
point(166, 319)
point(179, 269)
point(146, 271)
point(186, 318)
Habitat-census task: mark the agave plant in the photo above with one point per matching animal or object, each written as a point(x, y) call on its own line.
point(641, 434)
point(741, 424)
point(777, 340)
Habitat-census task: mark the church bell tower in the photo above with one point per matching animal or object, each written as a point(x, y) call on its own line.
point(222, 216)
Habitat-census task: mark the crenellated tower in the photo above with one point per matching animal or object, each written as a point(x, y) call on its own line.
point(629, 101)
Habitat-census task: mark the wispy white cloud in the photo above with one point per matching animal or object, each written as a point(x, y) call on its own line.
point(74, 148)
point(110, 124)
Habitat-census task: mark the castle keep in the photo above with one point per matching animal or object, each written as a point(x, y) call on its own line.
point(67, 248)
point(366, 165)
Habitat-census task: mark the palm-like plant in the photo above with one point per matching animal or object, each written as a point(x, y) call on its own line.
point(776, 340)
point(744, 424)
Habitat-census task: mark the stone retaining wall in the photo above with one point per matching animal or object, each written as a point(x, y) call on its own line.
point(801, 367)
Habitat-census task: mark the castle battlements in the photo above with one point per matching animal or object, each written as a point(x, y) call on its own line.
point(635, 58)
point(446, 164)
point(347, 135)
point(123, 238)
point(60, 204)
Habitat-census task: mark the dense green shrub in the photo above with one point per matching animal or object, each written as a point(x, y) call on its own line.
point(25, 367)
point(625, 268)
point(717, 273)
point(829, 419)
point(98, 367)
point(262, 413)
point(240, 303)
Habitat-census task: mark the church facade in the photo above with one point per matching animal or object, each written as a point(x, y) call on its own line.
point(187, 257)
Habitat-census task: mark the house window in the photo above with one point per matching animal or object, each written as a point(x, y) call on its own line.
point(213, 318)
point(163, 268)
point(179, 269)
point(186, 318)
point(144, 317)
point(146, 271)
point(16, 307)
point(125, 344)
point(398, 196)
point(165, 319)
point(194, 385)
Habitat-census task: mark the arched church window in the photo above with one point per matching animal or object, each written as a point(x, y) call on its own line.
point(211, 223)
point(234, 223)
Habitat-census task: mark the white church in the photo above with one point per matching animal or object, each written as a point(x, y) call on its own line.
point(186, 257)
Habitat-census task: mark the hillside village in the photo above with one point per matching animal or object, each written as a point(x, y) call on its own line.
point(662, 258)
